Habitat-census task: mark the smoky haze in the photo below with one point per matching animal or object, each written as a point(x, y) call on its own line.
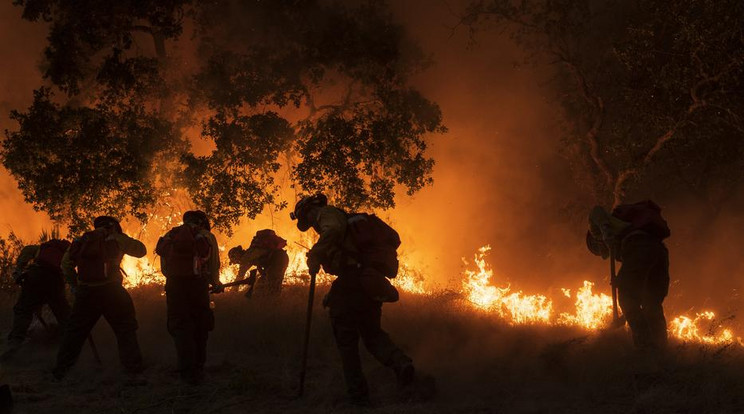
point(500, 178)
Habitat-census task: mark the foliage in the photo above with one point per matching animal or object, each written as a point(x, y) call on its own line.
point(10, 248)
point(648, 89)
point(319, 90)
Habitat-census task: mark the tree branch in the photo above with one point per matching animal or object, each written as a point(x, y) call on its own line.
point(157, 37)
point(592, 135)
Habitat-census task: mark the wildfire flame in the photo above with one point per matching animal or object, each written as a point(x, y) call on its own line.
point(516, 307)
point(591, 311)
point(688, 329)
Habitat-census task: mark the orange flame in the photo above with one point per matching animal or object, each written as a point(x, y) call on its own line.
point(591, 311)
point(516, 307)
point(689, 330)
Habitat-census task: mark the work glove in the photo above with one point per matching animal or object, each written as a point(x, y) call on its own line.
point(313, 264)
point(252, 277)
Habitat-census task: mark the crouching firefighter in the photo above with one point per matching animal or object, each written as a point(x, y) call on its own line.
point(267, 253)
point(634, 234)
point(40, 276)
point(92, 266)
point(189, 258)
point(360, 250)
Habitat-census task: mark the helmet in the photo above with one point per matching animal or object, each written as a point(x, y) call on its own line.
point(302, 207)
point(197, 217)
point(604, 226)
point(107, 221)
point(234, 254)
point(596, 246)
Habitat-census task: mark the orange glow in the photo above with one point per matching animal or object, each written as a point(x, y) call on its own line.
point(690, 330)
point(516, 307)
point(591, 311)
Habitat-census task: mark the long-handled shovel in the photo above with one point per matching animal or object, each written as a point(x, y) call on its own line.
point(306, 345)
point(618, 321)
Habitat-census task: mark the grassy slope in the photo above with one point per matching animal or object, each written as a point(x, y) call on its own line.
point(481, 365)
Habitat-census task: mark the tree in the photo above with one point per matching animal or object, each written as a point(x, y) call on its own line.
point(318, 90)
point(648, 89)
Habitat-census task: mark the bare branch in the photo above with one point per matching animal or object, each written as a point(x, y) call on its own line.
point(592, 134)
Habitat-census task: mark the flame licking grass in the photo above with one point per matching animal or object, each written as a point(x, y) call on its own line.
point(689, 329)
point(515, 307)
point(143, 271)
point(590, 311)
point(593, 311)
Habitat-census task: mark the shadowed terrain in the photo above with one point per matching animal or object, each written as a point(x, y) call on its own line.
point(481, 365)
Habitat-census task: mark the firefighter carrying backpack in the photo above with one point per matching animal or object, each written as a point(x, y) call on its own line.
point(183, 251)
point(51, 252)
point(96, 257)
point(376, 243)
point(645, 216)
point(268, 239)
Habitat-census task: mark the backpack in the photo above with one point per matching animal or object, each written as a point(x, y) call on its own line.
point(183, 251)
point(645, 216)
point(96, 257)
point(51, 252)
point(267, 239)
point(376, 243)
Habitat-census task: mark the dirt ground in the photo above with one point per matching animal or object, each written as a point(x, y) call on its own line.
point(480, 365)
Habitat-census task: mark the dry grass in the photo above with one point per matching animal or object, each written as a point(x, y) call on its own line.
point(481, 365)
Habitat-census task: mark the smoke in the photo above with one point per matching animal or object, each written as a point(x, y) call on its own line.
point(20, 51)
point(500, 178)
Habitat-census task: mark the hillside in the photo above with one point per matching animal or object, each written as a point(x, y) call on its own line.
point(480, 365)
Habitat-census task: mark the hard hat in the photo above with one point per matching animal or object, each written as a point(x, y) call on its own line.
point(197, 217)
point(107, 221)
point(302, 207)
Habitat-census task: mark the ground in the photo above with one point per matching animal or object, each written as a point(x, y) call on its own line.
point(480, 365)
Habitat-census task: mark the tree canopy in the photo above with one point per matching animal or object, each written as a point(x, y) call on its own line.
point(136, 89)
point(650, 90)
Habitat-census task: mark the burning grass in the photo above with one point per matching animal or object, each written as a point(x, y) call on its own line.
point(482, 364)
point(492, 349)
point(591, 311)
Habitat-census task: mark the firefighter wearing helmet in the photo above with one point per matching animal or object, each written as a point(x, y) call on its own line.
point(93, 265)
point(266, 252)
point(190, 261)
point(354, 312)
point(634, 234)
